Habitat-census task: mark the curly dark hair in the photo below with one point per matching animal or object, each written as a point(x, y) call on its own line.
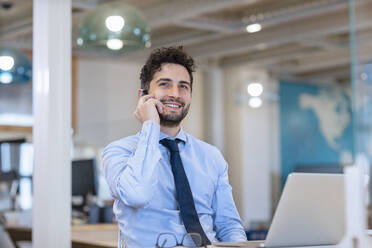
point(160, 56)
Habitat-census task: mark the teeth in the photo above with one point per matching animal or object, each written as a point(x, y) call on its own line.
point(172, 105)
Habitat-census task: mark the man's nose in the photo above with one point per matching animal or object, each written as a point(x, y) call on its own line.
point(173, 91)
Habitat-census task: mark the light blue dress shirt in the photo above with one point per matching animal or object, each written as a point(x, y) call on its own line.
point(140, 178)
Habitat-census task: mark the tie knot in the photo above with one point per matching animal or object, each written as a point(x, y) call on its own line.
point(170, 144)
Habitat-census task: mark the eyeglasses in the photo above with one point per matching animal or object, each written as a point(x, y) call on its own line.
point(166, 240)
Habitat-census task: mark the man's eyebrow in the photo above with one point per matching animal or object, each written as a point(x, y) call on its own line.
point(164, 79)
point(184, 82)
point(170, 80)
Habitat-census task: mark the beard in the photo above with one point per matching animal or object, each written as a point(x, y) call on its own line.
point(173, 119)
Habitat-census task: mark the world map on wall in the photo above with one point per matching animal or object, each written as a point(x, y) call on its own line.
point(315, 126)
point(332, 110)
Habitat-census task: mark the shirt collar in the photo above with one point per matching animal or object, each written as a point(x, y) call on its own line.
point(181, 136)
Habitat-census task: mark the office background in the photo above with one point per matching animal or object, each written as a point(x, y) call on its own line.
point(303, 118)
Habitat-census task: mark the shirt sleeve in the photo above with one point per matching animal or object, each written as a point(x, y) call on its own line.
point(131, 172)
point(227, 223)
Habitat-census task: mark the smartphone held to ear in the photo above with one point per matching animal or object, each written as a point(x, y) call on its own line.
point(144, 92)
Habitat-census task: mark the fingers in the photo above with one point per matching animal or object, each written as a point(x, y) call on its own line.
point(159, 105)
point(148, 108)
point(144, 98)
point(151, 99)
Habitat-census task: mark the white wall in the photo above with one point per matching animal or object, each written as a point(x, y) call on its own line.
point(195, 120)
point(106, 99)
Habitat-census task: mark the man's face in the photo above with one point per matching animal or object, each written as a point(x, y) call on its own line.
point(171, 85)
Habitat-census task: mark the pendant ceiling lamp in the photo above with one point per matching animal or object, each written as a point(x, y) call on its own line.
point(15, 67)
point(114, 27)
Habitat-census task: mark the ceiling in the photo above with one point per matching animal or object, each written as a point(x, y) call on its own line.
point(302, 39)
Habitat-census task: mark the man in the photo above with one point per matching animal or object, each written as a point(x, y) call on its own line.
point(163, 179)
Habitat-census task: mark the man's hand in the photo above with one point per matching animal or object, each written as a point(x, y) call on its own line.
point(148, 108)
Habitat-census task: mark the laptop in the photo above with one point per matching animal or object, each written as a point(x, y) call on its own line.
point(310, 213)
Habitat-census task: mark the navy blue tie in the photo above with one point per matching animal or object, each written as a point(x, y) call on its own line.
point(185, 199)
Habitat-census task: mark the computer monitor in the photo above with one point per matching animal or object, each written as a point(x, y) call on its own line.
point(84, 178)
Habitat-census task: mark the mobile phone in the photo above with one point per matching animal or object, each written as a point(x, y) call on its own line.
point(144, 92)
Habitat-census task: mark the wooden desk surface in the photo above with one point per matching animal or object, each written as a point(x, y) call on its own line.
point(84, 236)
point(100, 235)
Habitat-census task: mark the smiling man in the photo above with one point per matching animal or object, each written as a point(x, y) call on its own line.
point(164, 180)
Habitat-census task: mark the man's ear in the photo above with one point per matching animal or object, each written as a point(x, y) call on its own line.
point(139, 93)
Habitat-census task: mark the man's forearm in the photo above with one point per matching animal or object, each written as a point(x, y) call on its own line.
point(131, 173)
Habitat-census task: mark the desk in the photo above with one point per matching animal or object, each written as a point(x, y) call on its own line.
point(95, 236)
point(103, 236)
point(84, 236)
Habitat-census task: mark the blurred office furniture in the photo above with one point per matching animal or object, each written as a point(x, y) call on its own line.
point(256, 234)
point(85, 207)
point(99, 214)
point(16, 165)
point(19, 234)
point(10, 154)
point(11, 181)
point(257, 230)
point(13, 141)
point(83, 236)
point(5, 241)
point(18, 237)
point(84, 183)
point(94, 236)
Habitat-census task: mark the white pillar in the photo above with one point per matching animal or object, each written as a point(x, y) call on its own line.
point(214, 106)
point(52, 127)
point(259, 146)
